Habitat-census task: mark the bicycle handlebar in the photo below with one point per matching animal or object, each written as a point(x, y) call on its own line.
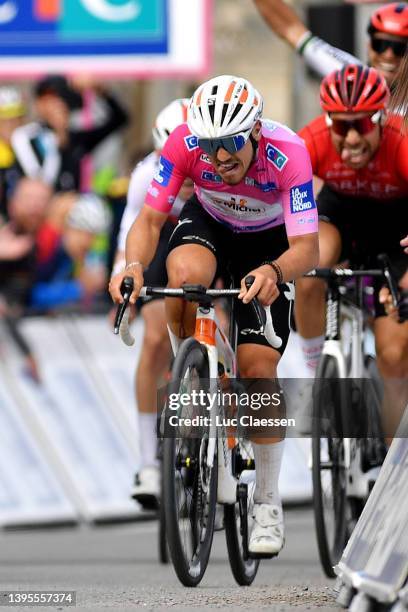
point(194, 293)
point(384, 272)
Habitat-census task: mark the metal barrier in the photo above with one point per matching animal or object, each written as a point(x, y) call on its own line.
point(69, 446)
point(374, 567)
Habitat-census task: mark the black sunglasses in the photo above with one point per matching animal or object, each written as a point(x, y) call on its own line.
point(232, 144)
point(380, 45)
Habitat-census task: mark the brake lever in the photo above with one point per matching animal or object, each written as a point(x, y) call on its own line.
point(258, 309)
point(392, 285)
point(264, 318)
point(126, 290)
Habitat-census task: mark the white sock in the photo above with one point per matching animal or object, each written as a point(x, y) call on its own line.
point(148, 439)
point(268, 459)
point(312, 350)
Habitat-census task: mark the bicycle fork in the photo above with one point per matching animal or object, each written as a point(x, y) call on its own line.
point(227, 484)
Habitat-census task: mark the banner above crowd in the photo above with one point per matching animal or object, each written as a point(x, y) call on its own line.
point(144, 38)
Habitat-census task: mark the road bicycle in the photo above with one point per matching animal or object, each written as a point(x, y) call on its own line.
point(205, 463)
point(347, 437)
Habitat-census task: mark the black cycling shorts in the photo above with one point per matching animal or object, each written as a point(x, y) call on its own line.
point(367, 228)
point(239, 253)
point(156, 273)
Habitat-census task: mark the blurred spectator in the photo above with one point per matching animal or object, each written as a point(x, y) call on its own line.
point(12, 112)
point(27, 210)
point(64, 271)
point(51, 148)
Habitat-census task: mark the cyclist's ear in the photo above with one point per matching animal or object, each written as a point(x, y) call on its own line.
point(256, 132)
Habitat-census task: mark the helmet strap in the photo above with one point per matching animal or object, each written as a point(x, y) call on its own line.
point(254, 147)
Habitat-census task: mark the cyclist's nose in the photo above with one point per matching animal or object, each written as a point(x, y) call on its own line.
point(352, 137)
point(222, 155)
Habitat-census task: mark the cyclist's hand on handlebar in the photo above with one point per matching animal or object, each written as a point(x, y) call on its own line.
point(404, 243)
point(116, 281)
point(264, 286)
point(385, 298)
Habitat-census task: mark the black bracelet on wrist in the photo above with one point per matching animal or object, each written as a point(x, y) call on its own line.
point(277, 269)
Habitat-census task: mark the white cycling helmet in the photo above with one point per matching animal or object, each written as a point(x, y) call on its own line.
point(89, 213)
point(223, 106)
point(11, 103)
point(168, 119)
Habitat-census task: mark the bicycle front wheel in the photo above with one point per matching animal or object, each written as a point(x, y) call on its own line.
point(328, 470)
point(189, 484)
point(237, 524)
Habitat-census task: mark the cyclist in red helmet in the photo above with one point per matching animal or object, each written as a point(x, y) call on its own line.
point(388, 32)
point(387, 29)
point(363, 161)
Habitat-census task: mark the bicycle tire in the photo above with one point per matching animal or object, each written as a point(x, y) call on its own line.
point(327, 456)
point(183, 480)
point(244, 569)
point(162, 540)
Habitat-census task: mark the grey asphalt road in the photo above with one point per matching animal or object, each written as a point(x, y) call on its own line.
point(116, 567)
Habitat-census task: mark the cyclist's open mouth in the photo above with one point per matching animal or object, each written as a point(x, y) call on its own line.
point(227, 170)
point(355, 156)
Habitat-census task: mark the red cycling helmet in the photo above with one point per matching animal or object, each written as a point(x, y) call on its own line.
point(354, 88)
point(390, 19)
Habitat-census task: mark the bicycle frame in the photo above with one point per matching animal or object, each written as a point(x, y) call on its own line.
point(338, 310)
point(220, 352)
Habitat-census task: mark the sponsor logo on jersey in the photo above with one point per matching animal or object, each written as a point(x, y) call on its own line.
point(205, 158)
point(211, 176)
point(191, 142)
point(276, 157)
point(171, 199)
point(239, 205)
point(164, 172)
point(262, 186)
point(301, 198)
point(153, 191)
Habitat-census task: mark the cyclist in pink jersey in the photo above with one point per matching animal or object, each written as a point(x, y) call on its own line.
point(253, 211)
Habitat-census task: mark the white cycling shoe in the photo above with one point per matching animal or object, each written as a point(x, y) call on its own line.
point(268, 533)
point(146, 489)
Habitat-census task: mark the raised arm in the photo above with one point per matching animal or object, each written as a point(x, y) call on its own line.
point(319, 55)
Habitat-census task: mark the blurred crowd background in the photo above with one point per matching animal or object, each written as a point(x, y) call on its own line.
point(68, 146)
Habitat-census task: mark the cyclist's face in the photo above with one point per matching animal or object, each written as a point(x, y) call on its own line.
point(386, 61)
point(232, 167)
point(355, 149)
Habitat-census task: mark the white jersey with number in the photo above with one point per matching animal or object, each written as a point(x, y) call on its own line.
point(140, 180)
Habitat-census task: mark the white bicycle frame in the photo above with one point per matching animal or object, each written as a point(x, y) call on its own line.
point(219, 351)
point(350, 365)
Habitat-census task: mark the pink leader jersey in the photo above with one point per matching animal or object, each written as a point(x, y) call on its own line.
point(277, 188)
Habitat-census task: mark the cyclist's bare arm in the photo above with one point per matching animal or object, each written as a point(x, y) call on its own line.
point(283, 20)
point(141, 245)
point(301, 257)
point(319, 55)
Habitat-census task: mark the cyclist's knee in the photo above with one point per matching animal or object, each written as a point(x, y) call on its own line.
point(309, 289)
point(393, 360)
point(190, 265)
point(155, 341)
